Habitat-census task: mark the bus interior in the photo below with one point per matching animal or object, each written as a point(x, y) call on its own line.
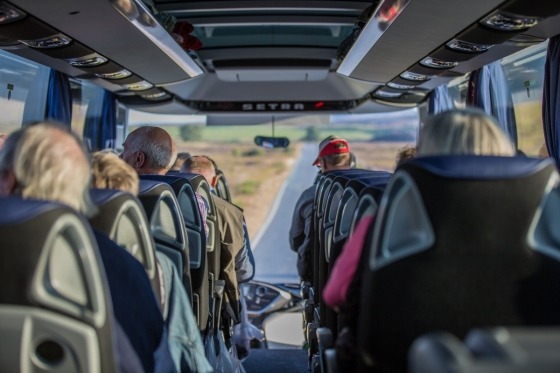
point(94, 65)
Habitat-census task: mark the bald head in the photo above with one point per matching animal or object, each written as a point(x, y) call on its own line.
point(46, 162)
point(150, 150)
point(200, 164)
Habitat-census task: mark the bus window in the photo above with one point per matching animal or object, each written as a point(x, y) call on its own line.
point(23, 91)
point(525, 73)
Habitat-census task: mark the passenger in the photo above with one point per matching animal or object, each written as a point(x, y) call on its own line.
point(46, 162)
point(185, 342)
point(244, 260)
point(181, 158)
point(463, 131)
point(111, 172)
point(151, 150)
point(334, 154)
point(460, 131)
point(230, 221)
point(405, 153)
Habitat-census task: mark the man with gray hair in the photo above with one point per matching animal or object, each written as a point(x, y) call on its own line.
point(45, 161)
point(150, 150)
point(236, 264)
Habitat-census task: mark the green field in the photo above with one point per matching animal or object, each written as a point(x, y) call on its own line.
point(295, 134)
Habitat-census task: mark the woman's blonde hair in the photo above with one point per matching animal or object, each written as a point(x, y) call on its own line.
point(111, 172)
point(463, 131)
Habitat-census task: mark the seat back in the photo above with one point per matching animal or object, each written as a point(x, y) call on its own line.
point(222, 187)
point(167, 226)
point(122, 218)
point(368, 200)
point(348, 204)
point(196, 239)
point(213, 247)
point(55, 308)
point(324, 185)
point(451, 251)
point(376, 180)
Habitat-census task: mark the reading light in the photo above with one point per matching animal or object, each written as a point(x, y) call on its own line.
point(400, 86)
point(154, 96)
point(386, 94)
point(504, 21)
point(88, 61)
point(55, 41)
point(463, 46)
point(139, 86)
point(9, 13)
point(437, 63)
point(415, 77)
point(116, 75)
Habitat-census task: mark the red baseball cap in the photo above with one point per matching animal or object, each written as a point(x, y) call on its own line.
point(333, 145)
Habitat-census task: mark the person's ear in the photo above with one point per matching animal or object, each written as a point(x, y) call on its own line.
point(8, 183)
point(214, 181)
point(323, 164)
point(139, 160)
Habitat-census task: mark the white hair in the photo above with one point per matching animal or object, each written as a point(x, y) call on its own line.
point(50, 164)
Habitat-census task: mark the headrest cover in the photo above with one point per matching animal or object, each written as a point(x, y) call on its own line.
point(479, 167)
point(102, 196)
point(16, 209)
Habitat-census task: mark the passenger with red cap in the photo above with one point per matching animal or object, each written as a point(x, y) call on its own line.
point(334, 154)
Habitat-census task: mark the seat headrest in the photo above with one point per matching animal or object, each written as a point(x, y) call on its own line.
point(147, 186)
point(478, 167)
point(16, 210)
point(102, 196)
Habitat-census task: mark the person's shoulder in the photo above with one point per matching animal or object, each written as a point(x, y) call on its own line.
point(227, 207)
point(113, 253)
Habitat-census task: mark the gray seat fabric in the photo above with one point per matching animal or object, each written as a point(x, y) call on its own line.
point(167, 226)
point(55, 309)
point(198, 255)
point(122, 218)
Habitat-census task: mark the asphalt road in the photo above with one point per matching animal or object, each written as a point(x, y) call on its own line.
point(275, 262)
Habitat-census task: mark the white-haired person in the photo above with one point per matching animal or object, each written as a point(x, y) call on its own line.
point(46, 161)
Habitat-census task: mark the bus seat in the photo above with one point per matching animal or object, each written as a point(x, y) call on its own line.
point(122, 218)
point(167, 226)
point(222, 187)
point(196, 238)
point(376, 180)
point(464, 218)
point(201, 186)
point(493, 350)
point(55, 308)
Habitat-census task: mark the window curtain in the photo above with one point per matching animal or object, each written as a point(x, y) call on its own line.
point(439, 100)
point(59, 99)
point(101, 122)
point(488, 90)
point(551, 99)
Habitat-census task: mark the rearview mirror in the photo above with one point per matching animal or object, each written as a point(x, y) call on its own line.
point(269, 142)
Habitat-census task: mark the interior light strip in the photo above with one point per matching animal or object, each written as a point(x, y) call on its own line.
point(385, 14)
point(159, 36)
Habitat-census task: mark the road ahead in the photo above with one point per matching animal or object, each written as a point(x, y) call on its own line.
point(275, 262)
